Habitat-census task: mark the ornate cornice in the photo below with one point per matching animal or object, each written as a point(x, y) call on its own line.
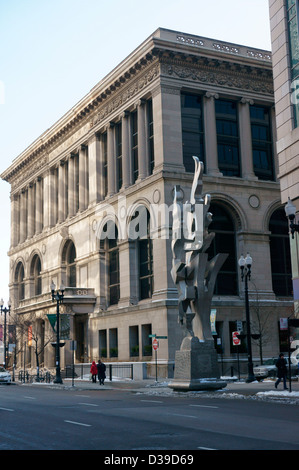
point(166, 54)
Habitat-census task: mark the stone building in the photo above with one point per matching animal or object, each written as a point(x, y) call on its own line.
point(284, 23)
point(117, 154)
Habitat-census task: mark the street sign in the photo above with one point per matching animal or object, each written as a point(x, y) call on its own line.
point(161, 337)
point(155, 344)
point(236, 340)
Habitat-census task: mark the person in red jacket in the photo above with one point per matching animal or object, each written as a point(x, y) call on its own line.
point(94, 371)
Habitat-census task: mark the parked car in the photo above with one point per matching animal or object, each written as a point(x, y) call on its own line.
point(269, 369)
point(5, 376)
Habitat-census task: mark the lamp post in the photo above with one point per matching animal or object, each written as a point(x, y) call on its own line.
point(245, 266)
point(290, 210)
point(5, 310)
point(58, 297)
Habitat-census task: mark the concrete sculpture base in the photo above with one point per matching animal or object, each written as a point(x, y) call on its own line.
point(196, 366)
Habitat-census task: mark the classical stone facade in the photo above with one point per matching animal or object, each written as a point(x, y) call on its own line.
point(123, 147)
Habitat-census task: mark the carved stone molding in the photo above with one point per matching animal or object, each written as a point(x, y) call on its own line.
point(125, 94)
point(208, 76)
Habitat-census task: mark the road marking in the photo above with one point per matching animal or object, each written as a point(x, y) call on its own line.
point(183, 416)
point(6, 409)
point(79, 424)
point(152, 401)
point(205, 406)
point(31, 398)
point(82, 396)
point(88, 404)
point(206, 448)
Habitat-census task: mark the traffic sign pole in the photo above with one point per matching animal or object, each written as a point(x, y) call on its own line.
point(155, 345)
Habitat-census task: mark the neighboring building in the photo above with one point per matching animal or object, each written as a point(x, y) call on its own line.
point(124, 146)
point(284, 23)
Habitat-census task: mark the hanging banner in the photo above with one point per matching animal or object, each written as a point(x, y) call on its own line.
point(64, 321)
point(11, 334)
point(213, 321)
point(29, 335)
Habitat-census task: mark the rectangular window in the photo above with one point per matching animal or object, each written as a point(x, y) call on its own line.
point(192, 129)
point(105, 163)
point(261, 136)
point(103, 343)
point(134, 134)
point(134, 340)
point(113, 342)
point(227, 137)
point(145, 268)
point(146, 331)
point(113, 287)
point(151, 136)
point(118, 140)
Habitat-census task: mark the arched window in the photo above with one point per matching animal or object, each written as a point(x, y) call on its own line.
point(224, 242)
point(19, 280)
point(140, 231)
point(36, 273)
point(69, 258)
point(280, 254)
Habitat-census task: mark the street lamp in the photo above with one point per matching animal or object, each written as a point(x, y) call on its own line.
point(5, 310)
point(290, 210)
point(245, 266)
point(58, 297)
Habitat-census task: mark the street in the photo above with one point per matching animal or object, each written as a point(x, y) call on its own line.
point(45, 418)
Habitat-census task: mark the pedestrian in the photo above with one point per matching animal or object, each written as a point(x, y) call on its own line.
point(281, 365)
point(101, 371)
point(94, 371)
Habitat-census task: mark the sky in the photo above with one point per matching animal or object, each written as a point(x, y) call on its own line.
point(53, 52)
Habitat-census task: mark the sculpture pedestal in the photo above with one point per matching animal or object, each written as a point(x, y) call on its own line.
point(196, 366)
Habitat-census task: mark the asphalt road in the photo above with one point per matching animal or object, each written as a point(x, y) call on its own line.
point(41, 418)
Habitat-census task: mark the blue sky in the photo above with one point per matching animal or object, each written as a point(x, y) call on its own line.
point(52, 52)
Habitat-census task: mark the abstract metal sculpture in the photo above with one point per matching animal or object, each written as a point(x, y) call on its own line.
point(193, 274)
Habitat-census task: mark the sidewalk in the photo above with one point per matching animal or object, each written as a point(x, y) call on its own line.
point(264, 390)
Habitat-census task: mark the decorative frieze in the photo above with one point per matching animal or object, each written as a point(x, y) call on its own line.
point(223, 78)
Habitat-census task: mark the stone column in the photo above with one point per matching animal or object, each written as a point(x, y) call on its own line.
point(47, 208)
point(274, 140)
point(61, 192)
point(53, 197)
point(211, 162)
point(86, 186)
point(111, 160)
point(142, 154)
point(94, 165)
point(23, 231)
point(246, 140)
point(31, 209)
point(81, 179)
point(71, 186)
point(126, 161)
point(39, 205)
point(14, 226)
point(167, 129)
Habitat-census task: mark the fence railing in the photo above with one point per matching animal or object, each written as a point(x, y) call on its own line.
point(82, 371)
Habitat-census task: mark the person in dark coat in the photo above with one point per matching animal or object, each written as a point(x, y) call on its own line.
point(101, 371)
point(94, 371)
point(281, 365)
